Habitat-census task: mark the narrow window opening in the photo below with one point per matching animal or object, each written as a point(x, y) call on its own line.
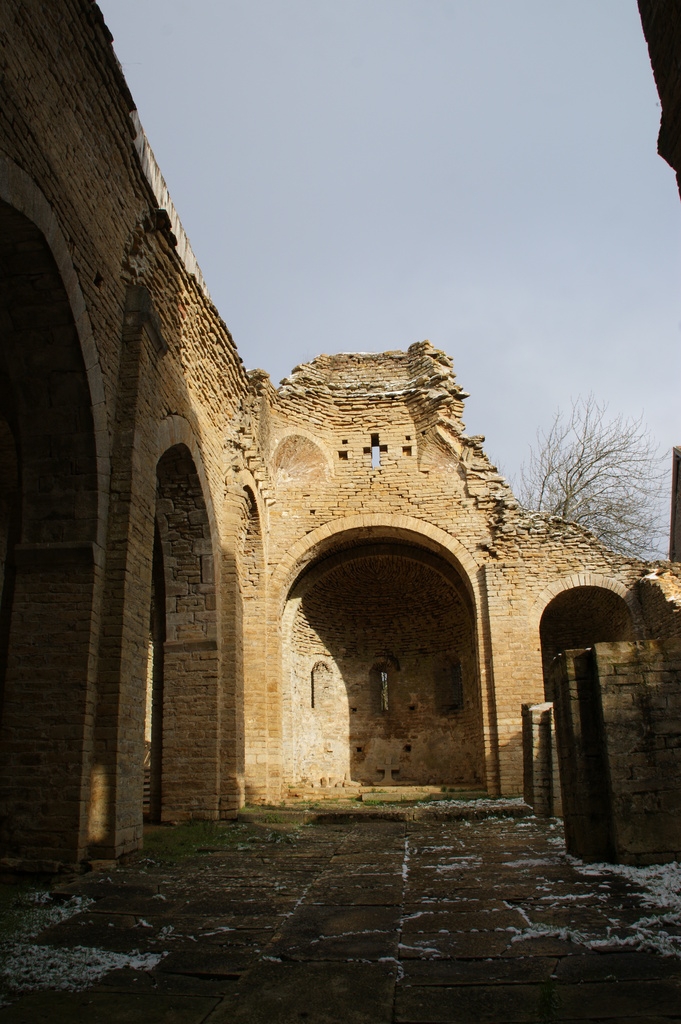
point(375, 452)
point(312, 688)
point(384, 690)
point(381, 679)
point(406, 449)
point(456, 690)
point(343, 454)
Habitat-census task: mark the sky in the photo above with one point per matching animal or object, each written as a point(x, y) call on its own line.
point(358, 175)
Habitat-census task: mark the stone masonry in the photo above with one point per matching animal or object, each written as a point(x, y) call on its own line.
point(260, 591)
point(618, 725)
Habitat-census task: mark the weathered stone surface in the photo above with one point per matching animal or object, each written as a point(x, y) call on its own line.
point(547, 958)
point(215, 590)
point(103, 1008)
point(618, 709)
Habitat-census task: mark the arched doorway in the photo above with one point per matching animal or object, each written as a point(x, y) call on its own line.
point(257, 711)
point(49, 527)
point(384, 682)
point(581, 617)
point(183, 708)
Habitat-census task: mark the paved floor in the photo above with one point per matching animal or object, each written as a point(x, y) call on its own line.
point(370, 922)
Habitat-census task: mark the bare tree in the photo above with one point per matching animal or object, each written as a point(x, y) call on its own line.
point(604, 473)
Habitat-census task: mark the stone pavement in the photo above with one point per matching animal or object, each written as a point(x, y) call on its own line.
point(374, 921)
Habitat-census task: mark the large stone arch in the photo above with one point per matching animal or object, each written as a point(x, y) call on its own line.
point(144, 646)
point(176, 430)
point(377, 526)
point(585, 578)
point(183, 691)
point(580, 610)
point(443, 575)
point(53, 416)
point(19, 191)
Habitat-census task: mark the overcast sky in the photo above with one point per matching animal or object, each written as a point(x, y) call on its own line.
point(357, 175)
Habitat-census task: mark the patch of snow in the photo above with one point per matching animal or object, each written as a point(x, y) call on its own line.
point(545, 931)
point(28, 966)
point(526, 862)
point(482, 803)
point(405, 861)
point(660, 884)
point(393, 960)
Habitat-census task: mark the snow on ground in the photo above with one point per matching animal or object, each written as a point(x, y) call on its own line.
point(481, 803)
point(29, 966)
point(26, 966)
point(658, 887)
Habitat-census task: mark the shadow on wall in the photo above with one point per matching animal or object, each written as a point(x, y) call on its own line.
point(618, 724)
point(384, 674)
point(581, 617)
point(48, 529)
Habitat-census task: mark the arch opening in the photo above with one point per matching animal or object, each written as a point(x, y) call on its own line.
point(256, 698)
point(182, 716)
point(581, 617)
point(400, 704)
point(49, 519)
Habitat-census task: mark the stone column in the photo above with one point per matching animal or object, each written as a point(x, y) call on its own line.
point(49, 702)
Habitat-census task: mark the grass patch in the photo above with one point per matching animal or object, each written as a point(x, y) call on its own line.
point(169, 844)
point(177, 842)
point(17, 904)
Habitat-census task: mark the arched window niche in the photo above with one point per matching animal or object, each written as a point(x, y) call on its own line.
point(320, 680)
point(382, 683)
point(450, 687)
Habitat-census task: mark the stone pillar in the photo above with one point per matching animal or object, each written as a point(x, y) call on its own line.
point(618, 719)
point(541, 781)
point(49, 702)
point(118, 766)
point(581, 750)
point(231, 686)
point(515, 668)
point(191, 730)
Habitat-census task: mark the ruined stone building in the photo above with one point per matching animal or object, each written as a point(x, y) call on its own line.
point(285, 590)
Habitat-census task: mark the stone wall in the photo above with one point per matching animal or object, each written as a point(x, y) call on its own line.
point(190, 554)
point(389, 646)
point(618, 723)
point(372, 448)
point(111, 353)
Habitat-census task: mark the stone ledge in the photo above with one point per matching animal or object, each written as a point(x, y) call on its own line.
point(362, 812)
